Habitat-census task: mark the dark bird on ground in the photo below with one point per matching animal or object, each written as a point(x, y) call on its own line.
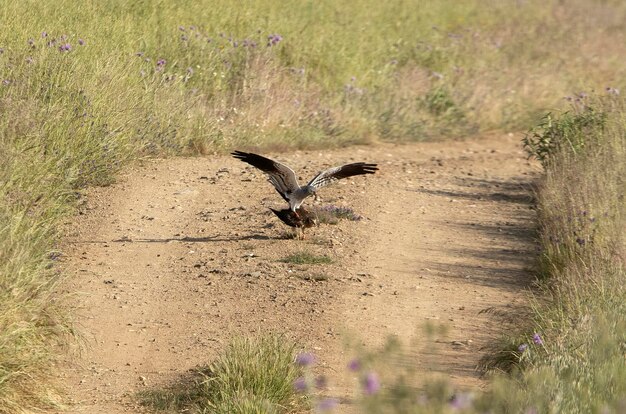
point(302, 220)
point(284, 178)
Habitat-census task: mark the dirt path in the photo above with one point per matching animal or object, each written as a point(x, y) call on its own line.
point(182, 254)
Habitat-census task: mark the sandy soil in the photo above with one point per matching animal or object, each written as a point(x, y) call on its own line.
point(181, 255)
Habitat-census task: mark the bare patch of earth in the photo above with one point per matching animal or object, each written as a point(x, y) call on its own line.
point(182, 255)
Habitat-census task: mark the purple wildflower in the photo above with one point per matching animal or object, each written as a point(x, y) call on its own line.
point(192, 28)
point(537, 339)
point(461, 401)
point(29, 60)
point(6, 82)
point(81, 42)
point(181, 28)
point(354, 365)
point(161, 62)
point(66, 47)
point(44, 34)
point(327, 404)
point(305, 359)
point(273, 39)
point(31, 42)
point(522, 347)
point(371, 383)
point(300, 384)
point(581, 242)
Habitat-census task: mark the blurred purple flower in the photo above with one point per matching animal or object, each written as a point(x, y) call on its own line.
point(300, 384)
point(181, 28)
point(161, 62)
point(354, 365)
point(461, 401)
point(66, 47)
point(305, 359)
point(371, 383)
point(273, 39)
point(140, 54)
point(31, 42)
point(327, 404)
point(522, 347)
point(81, 42)
point(537, 339)
point(44, 34)
point(580, 241)
point(192, 27)
point(29, 60)
point(6, 82)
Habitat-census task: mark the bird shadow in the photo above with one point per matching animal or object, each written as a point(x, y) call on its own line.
point(186, 239)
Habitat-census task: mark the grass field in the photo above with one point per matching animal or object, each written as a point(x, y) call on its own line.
point(84, 89)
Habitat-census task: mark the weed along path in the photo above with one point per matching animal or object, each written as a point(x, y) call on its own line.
point(182, 255)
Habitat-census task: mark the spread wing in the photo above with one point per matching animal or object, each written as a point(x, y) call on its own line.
point(337, 173)
point(282, 177)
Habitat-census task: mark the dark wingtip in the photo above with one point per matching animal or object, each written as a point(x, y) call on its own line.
point(368, 168)
point(239, 154)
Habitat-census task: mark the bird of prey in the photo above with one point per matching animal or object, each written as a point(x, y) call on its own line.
point(303, 220)
point(284, 179)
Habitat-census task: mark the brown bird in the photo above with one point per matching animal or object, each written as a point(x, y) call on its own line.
point(301, 219)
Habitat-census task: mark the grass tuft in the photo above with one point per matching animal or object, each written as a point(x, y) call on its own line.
point(250, 376)
point(303, 258)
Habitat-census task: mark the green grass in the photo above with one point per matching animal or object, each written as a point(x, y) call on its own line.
point(249, 376)
point(306, 258)
point(343, 73)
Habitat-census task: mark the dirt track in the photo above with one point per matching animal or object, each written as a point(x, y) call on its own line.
point(182, 254)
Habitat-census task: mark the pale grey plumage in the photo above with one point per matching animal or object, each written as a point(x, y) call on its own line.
point(285, 181)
